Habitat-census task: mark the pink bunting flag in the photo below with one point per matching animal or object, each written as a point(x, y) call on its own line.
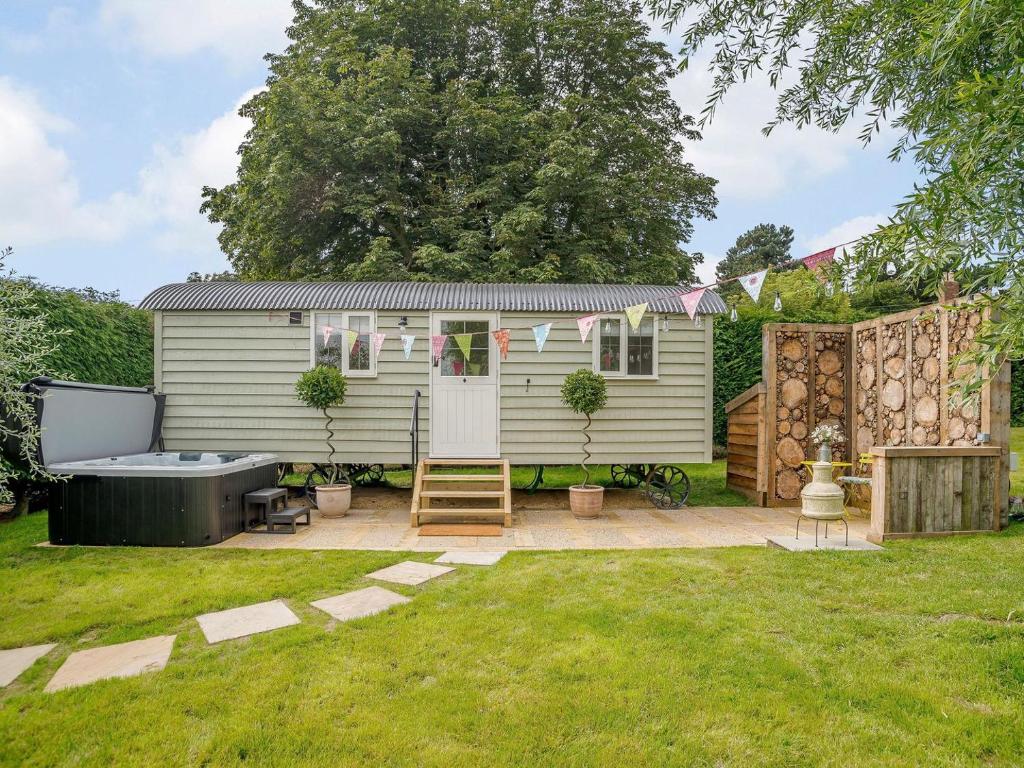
point(691, 301)
point(378, 342)
point(585, 324)
point(327, 331)
point(815, 260)
point(501, 336)
point(437, 345)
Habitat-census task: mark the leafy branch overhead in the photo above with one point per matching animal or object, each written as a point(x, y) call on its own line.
point(466, 141)
point(946, 76)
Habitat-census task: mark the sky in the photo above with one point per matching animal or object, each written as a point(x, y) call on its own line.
point(115, 113)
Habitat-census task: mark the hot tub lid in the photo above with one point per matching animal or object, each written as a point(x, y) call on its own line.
point(90, 421)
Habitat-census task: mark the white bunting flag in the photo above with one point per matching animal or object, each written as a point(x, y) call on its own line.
point(691, 301)
point(540, 335)
point(752, 284)
point(585, 324)
point(407, 341)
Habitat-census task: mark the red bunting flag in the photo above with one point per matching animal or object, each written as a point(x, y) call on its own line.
point(815, 260)
point(691, 301)
point(501, 336)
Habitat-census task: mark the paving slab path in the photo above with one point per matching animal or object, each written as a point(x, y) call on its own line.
point(410, 572)
point(14, 661)
point(361, 603)
point(247, 620)
point(470, 557)
point(121, 660)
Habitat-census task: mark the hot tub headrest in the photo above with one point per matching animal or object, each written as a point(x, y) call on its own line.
point(91, 421)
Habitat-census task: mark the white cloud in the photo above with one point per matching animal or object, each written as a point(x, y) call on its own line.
point(240, 31)
point(39, 194)
point(851, 229)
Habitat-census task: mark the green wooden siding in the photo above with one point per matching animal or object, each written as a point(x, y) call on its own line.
point(229, 378)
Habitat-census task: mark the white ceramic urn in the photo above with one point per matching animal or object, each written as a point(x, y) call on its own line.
point(822, 499)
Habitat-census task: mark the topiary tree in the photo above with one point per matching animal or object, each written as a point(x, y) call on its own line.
point(585, 392)
point(323, 387)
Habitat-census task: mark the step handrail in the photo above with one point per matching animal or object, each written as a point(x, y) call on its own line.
point(414, 429)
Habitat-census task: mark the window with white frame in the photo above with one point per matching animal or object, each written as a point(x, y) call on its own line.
point(619, 350)
point(343, 339)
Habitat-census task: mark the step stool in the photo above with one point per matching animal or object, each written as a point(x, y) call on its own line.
point(287, 516)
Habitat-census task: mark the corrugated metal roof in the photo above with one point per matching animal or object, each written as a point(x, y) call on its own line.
point(502, 297)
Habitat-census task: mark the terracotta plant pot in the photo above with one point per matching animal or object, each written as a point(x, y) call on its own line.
point(333, 500)
point(586, 501)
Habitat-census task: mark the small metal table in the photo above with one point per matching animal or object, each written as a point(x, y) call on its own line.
point(263, 499)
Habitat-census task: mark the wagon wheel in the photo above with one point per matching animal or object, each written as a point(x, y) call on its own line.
point(667, 487)
point(365, 474)
point(628, 475)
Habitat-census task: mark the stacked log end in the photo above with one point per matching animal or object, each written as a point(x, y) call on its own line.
point(926, 367)
point(893, 384)
point(830, 385)
point(964, 414)
point(867, 393)
point(791, 380)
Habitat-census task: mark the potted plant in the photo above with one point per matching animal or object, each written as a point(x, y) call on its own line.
point(585, 392)
point(823, 436)
point(323, 387)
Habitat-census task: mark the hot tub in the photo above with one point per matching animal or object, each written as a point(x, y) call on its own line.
point(137, 495)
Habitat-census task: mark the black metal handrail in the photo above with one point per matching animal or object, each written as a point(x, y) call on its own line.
point(414, 429)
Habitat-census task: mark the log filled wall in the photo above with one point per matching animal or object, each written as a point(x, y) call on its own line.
point(885, 382)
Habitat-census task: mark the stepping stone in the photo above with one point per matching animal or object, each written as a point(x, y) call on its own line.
point(409, 573)
point(470, 557)
point(362, 602)
point(16, 660)
point(121, 660)
point(833, 543)
point(245, 621)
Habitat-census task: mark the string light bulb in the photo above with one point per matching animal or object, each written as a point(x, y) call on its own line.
point(890, 269)
point(664, 325)
point(829, 290)
point(777, 306)
point(697, 322)
point(734, 315)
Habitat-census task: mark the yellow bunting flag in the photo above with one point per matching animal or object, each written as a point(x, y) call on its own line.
point(465, 342)
point(635, 314)
point(351, 337)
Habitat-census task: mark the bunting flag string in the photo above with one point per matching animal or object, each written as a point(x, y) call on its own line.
point(501, 336)
point(540, 334)
point(407, 341)
point(635, 314)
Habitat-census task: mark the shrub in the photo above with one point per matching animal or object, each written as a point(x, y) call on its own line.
point(585, 392)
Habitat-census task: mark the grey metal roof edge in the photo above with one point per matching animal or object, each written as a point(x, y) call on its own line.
point(417, 296)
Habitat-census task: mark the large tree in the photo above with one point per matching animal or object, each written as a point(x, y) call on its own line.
point(766, 245)
point(947, 75)
point(521, 140)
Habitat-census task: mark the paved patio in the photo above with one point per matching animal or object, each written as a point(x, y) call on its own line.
point(380, 521)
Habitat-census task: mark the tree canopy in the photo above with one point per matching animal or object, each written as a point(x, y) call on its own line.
point(524, 140)
point(765, 245)
point(947, 75)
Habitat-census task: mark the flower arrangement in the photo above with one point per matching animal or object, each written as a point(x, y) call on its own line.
point(826, 434)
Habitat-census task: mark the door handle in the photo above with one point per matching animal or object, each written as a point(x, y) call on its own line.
point(463, 381)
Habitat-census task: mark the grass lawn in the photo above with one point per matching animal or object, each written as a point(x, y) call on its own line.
point(724, 657)
point(707, 481)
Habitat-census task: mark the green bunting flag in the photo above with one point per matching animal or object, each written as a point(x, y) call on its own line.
point(465, 342)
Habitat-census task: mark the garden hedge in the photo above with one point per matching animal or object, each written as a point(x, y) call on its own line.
point(108, 341)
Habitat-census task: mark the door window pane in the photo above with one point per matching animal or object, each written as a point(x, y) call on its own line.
point(609, 351)
point(640, 349)
point(454, 362)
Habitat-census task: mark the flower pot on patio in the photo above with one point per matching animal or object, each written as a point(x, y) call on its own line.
point(586, 501)
point(333, 500)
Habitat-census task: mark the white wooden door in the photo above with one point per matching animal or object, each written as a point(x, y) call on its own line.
point(464, 388)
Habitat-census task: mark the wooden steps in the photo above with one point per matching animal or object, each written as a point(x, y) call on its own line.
point(434, 485)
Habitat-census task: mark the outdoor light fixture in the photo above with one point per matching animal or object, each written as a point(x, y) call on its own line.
point(777, 306)
point(403, 323)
